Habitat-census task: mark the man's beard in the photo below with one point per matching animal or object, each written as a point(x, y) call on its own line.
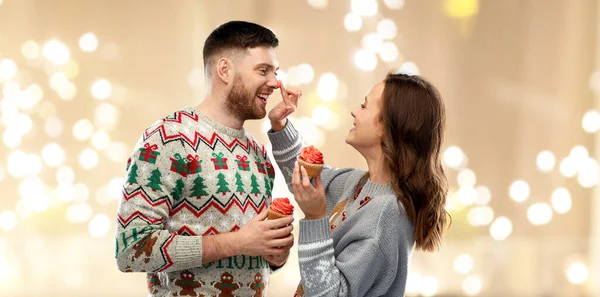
point(241, 103)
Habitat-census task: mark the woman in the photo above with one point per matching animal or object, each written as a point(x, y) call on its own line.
point(360, 227)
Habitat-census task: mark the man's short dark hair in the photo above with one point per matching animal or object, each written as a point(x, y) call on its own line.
point(237, 35)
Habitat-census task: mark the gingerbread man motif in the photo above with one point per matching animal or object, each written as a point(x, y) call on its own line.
point(226, 285)
point(145, 246)
point(188, 284)
point(258, 286)
point(153, 282)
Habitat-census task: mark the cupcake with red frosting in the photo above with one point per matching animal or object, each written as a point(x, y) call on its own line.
point(312, 160)
point(280, 208)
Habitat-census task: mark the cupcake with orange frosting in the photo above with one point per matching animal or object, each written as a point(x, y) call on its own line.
point(312, 160)
point(280, 208)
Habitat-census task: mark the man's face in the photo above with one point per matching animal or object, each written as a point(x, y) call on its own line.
point(253, 82)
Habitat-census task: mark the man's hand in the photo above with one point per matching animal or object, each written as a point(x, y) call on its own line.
point(265, 237)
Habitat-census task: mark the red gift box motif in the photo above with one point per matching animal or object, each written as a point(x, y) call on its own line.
point(179, 165)
point(242, 163)
point(220, 162)
point(261, 166)
point(148, 153)
point(270, 170)
point(195, 164)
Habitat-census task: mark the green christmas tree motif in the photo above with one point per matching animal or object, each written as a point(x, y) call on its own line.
point(267, 187)
point(132, 179)
point(154, 179)
point(222, 183)
point(239, 183)
point(178, 190)
point(198, 187)
point(271, 184)
point(254, 185)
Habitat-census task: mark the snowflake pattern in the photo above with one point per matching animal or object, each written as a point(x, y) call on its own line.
point(321, 275)
point(211, 218)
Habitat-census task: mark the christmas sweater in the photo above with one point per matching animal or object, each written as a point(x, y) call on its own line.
point(364, 244)
point(190, 177)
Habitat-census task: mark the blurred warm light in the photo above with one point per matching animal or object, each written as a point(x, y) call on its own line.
point(21, 164)
point(282, 77)
point(8, 220)
point(56, 52)
point(318, 4)
point(327, 86)
point(11, 138)
point(66, 192)
point(472, 285)
point(588, 175)
point(387, 29)
point(82, 192)
point(33, 193)
point(101, 89)
point(429, 286)
point(394, 4)
point(83, 129)
point(310, 132)
point(117, 152)
point(519, 191)
point(301, 74)
point(88, 158)
point(321, 115)
point(372, 42)
point(195, 78)
point(466, 177)
point(106, 116)
point(408, 68)
point(539, 213)
point(545, 161)
point(561, 200)
point(463, 263)
point(30, 97)
point(501, 228)
point(484, 195)
point(365, 60)
point(453, 203)
point(88, 42)
point(461, 9)
point(53, 127)
point(568, 167)
point(352, 22)
point(115, 187)
point(591, 121)
point(65, 175)
point(99, 225)
point(594, 81)
point(453, 156)
point(388, 52)
point(57, 80)
point(30, 50)
point(8, 69)
point(67, 91)
point(53, 155)
point(579, 154)
point(577, 273)
point(103, 195)
point(467, 195)
point(480, 216)
point(23, 209)
point(413, 283)
point(2, 173)
point(79, 213)
point(100, 140)
point(364, 7)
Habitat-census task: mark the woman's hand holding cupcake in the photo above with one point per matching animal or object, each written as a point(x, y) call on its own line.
point(311, 199)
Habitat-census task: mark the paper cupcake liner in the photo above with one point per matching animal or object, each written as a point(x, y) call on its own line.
point(273, 215)
point(312, 169)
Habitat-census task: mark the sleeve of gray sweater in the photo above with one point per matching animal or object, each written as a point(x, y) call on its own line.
point(364, 262)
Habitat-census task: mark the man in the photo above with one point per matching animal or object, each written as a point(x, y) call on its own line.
point(198, 185)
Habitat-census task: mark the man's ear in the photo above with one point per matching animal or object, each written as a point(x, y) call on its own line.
point(225, 70)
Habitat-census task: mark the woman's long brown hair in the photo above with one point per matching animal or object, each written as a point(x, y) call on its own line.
point(413, 118)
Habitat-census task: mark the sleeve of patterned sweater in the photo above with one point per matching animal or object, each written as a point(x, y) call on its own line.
point(287, 145)
point(365, 263)
point(142, 243)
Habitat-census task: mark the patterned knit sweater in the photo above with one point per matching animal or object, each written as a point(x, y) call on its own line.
point(190, 176)
point(364, 245)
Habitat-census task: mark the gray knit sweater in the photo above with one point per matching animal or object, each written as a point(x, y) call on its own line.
point(363, 246)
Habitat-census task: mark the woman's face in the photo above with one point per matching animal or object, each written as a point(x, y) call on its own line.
point(366, 131)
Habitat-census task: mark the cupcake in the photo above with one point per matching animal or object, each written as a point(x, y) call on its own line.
point(280, 208)
point(312, 160)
